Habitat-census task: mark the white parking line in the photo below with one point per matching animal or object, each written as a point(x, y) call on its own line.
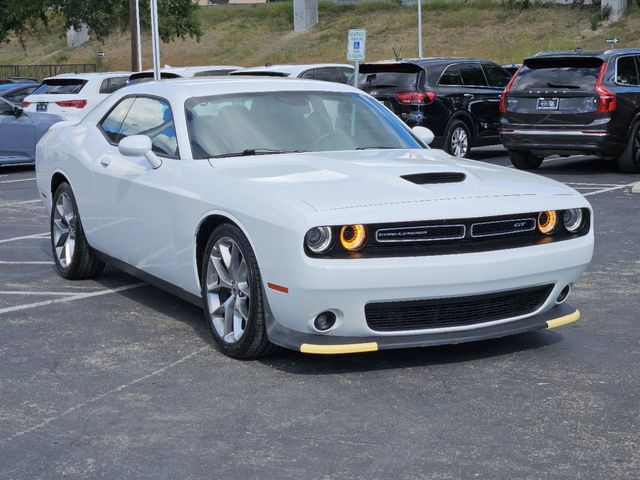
point(19, 180)
point(610, 189)
point(79, 296)
point(119, 388)
point(35, 235)
point(594, 184)
point(2, 204)
point(46, 294)
point(25, 262)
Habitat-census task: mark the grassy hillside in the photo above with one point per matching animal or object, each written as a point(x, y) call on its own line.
point(253, 35)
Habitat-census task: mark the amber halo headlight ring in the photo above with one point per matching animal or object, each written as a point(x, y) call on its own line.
point(573, 219)
point(319, 239)
point(547, 221)
point(353, 237)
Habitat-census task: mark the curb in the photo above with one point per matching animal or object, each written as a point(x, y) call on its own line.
point(635, 188)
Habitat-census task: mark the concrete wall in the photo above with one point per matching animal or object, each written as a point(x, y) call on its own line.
point(305, 14)
point(75, 38)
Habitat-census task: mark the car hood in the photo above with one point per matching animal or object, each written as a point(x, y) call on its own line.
point(339, 180)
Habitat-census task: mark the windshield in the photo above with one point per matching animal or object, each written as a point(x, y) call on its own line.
point(544, 73)
point(278, 122)
point(55, 86)
point(401, 80)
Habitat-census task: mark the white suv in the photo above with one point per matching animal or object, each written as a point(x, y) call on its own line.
point(73, 95)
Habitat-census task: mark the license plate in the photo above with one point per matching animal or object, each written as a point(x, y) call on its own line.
point(42, 107)
point(548, 104)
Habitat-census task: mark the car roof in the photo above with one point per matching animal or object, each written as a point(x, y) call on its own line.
point(190, 71)
point(89, 76)
point(180, 89)
point(15, 86)
point(578, 52)
point(290, 69)
point(428, 60)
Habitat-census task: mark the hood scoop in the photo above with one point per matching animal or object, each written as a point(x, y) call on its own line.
point(435, 178)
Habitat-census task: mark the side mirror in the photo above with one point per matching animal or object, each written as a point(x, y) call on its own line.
point(423, 134)
point(139, 146)
point(17, 111)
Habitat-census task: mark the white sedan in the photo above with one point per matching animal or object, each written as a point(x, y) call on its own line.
point(304, 214)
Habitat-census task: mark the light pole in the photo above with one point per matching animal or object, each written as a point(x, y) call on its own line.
point(419, 28)
point(138, 41)
point(155, 39)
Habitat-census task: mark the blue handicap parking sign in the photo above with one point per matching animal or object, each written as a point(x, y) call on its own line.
point(356, 45)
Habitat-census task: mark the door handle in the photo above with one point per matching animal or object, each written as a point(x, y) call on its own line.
point(468, 95)
point(105, 161)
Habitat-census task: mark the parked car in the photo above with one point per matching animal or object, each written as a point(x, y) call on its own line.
point(72, 95)
point(574, 103)
point(257, 201)
point(328, 72)
point(512, 67)
point(456, 98)
point(17, 92)
point(4, 81)
point(183, 72)
point(20, 132)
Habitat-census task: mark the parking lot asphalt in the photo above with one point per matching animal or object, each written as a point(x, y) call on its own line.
point(115, 379)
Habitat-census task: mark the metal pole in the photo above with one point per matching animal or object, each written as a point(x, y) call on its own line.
point(419, 28)
point(356, 75)
point(135, 35)
point(139, 38)
point(155, 39)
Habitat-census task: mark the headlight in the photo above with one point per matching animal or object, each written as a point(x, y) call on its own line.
point(352, 237)
point(573, 219)
point(547, 221)
point(318, 239)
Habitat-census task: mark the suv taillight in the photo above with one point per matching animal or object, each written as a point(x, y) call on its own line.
point(606, 98)
point(72, 103)
point(503, 95)
point(415, 98)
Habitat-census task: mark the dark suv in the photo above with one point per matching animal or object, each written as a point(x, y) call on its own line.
point(456, 98)
point(574, 103)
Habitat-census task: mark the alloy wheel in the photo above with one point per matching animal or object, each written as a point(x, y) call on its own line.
point(459, 142)
point(64, 230)
point(228, 291)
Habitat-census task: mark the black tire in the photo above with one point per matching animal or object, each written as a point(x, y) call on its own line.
point(253, 342)
point(84, 263)
point(524, 160)
point(629, 161)
point(452, 139)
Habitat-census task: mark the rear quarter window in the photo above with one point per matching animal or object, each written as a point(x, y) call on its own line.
point(626, 71)
point(110, 85)
point(60, 87)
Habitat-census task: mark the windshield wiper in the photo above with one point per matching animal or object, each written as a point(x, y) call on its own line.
point(563, 85)
point(376, 147)
point(247, 152)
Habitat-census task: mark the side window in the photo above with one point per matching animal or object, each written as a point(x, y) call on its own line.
point(309, 74)
point(112, 123)
point(152, 117)
point(496, 76)
point(626, 71)
point(472, 75)
point(5, 108)
point(110, 85)
point(451, 76)
point(347, 72)
point(330, 74)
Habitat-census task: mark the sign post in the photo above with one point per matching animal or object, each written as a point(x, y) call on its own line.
point(356, 48)
point(612, 41)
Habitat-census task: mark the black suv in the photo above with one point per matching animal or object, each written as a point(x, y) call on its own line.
point(456, 98)
point(574, 103)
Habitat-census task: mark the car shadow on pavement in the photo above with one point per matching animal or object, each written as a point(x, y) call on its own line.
point(307, 364)
point(9, 169)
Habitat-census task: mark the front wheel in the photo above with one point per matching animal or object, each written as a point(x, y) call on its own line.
point(524, 160)
point(232, 295)
point(74, 258)
point(629, 161)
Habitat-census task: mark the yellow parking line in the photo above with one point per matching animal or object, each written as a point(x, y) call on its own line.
point(558, 322)
point(336, 349)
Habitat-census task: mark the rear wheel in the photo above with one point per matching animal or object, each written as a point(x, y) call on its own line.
point(232, 295)
point(457, 141)
point(524, 160)
point(629, 161)
point(74, 258)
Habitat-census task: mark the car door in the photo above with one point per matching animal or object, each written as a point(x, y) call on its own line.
point(482, 102)
point(17, 134)
point(497, 79)
point(135, 199)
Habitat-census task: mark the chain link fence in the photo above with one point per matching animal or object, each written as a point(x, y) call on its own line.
point(43, 71)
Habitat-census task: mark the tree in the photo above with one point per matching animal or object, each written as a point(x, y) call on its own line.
point(177, 18)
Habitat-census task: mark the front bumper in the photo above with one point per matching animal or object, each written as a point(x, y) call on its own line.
point(321, 344)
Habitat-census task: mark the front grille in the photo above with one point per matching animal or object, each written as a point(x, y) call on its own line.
point(454, 311)
point(435, 178)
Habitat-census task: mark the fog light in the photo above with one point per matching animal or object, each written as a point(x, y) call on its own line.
point(353, 237)
point(325, 321)
point(573, 219)
point(547, 221)
point(563, 294)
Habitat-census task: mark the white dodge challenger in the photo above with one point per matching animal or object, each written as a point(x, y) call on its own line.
point(306, 215)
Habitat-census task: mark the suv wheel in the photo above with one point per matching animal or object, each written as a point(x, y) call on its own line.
point(524, 160)
point(629, 161)
point(457, 140)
